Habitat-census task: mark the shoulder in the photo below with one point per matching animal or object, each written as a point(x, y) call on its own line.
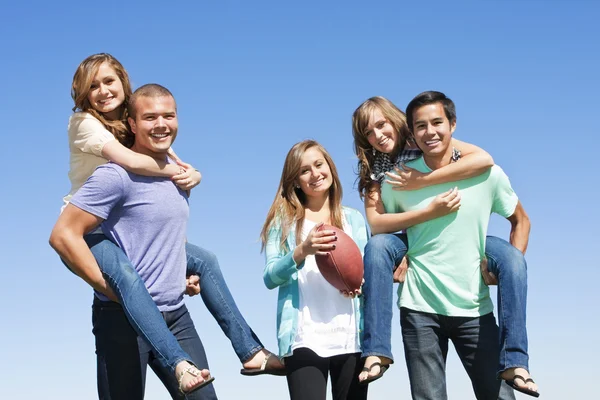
point(353, 215)
point(84, 123)
point(110, 170)
point(83, 118)
point(497, 174)
point(417, 160)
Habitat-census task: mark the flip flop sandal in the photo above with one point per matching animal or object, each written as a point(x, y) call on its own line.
point(512, 384)
point(195, 372)
point(263, 370)
point(382, 369)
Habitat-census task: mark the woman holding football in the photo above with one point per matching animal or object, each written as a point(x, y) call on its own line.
point(318, 329)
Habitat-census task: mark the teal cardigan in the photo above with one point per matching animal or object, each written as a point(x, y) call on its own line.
point(281, 271)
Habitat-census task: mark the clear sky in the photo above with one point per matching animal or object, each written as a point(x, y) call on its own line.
point(251, 79)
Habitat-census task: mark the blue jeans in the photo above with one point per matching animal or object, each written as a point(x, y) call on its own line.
point(425, 339)
point(220, 303)
point(385, 251)
point(122, 356)
point(147, 321)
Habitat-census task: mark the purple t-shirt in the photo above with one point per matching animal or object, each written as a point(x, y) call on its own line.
point(147, 218)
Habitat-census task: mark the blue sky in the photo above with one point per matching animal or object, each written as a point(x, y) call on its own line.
point(253, 78)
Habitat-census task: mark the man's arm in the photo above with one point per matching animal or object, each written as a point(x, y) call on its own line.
point(519, 228)
point(67, 240)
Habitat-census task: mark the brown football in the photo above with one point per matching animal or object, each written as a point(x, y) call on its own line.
point(342, 266)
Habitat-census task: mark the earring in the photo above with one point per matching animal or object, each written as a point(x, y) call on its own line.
point(374, 150)
point(297, 186)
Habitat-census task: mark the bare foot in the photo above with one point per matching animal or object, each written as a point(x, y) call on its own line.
point(373, 370)
point(264, 360)
point(509, 375)
point(190, 377)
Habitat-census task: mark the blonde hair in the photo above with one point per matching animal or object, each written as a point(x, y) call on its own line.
point(82, 82)
point(288, 207)
point(362, 148)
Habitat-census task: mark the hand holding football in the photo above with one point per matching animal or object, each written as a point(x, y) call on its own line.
point(343, 266)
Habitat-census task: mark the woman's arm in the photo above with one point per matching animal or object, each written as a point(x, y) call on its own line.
point(382, 222)
point(280, 266)
point(474, 161)
point(137, 163)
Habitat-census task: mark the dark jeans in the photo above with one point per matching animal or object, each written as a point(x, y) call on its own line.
point(122, 356)
point(145, 318)
point(426, 338)
point(307, 375)
point(385, 251)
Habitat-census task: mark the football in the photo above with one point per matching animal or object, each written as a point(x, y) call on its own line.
point(343, 266)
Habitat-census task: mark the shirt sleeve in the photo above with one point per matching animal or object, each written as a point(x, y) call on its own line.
point(89, 135)
point(280, 265)
point(505, 198)
point(103, 190)
point(359, 230)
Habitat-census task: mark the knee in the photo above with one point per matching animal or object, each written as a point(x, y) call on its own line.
point(201, 256)
point(508, 258)
point(379, 243)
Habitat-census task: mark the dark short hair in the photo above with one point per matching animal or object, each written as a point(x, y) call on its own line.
point(430, 97)
point(147, 90)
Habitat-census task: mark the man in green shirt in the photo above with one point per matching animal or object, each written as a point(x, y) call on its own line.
point(444, 296)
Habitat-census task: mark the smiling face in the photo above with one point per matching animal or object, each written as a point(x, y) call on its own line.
point(380, 133)
point(315, 177)
point(155, 125)
point(433, 131)
point(106, 93)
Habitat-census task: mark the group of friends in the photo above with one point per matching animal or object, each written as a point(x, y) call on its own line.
point(428, 199)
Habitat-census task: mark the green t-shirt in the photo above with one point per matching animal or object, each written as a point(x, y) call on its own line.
point(444, 253)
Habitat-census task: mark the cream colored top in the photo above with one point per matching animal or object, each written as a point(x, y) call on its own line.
point(87, 137)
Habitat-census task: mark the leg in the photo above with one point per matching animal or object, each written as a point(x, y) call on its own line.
point(307, 375)
point(382, 253)
point(510, 267)
point(425, 349)
point(220, 303)
point(344, 370)
point(475, 340)
point(121, 373)
point(181, 325)
point(137, 304)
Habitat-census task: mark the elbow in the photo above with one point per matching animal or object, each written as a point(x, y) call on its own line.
point(376, 228)
point(526, 223)
point(268, 282)
point(488, 160)
point(376, 231)
point(57, 239)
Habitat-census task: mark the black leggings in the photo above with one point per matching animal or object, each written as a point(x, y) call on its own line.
point(307, 376)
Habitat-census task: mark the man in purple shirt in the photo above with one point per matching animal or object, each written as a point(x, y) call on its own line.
point(147, 218)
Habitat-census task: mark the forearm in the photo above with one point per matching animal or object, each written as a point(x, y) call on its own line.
point(468, 166)
point(137, 163)
point(148, 166)
point(519, 234)
point(279, 269)
point(394, 222)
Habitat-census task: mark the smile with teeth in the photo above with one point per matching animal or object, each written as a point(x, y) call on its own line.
point(432, 142)
point(159, 135)
point(317, 183)
point(105, 101)
point(384, 141)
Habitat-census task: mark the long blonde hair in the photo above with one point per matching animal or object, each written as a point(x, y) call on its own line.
point(289, 204)
point(362, 148)
point(82, 81)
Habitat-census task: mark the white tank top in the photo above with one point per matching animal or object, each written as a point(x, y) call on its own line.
point(326, 319)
